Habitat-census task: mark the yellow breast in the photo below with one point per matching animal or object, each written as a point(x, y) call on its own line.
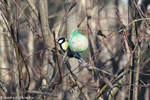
point(65, 45)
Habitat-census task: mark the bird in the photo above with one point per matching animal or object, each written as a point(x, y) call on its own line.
point(75, 46)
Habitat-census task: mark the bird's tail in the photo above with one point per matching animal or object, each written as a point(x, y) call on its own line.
point(83, 62)
point(81, 59)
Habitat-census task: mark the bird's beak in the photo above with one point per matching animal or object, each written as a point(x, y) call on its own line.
point(57, 41)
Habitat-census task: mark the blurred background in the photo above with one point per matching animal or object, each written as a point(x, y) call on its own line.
point(118, 56)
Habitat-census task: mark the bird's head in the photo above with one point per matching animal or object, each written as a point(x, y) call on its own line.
point(63, 43)
point(61, 40)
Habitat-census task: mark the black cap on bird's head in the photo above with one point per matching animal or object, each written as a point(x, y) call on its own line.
point(61, 40)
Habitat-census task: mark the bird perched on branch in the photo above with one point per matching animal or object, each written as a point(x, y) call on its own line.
point(75, 46)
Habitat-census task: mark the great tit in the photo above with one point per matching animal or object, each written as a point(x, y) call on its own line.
point(64, 46)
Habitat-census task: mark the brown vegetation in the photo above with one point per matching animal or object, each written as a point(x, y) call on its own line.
point(118, 56)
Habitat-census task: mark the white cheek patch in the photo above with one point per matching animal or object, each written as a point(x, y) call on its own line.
point(60, 41)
